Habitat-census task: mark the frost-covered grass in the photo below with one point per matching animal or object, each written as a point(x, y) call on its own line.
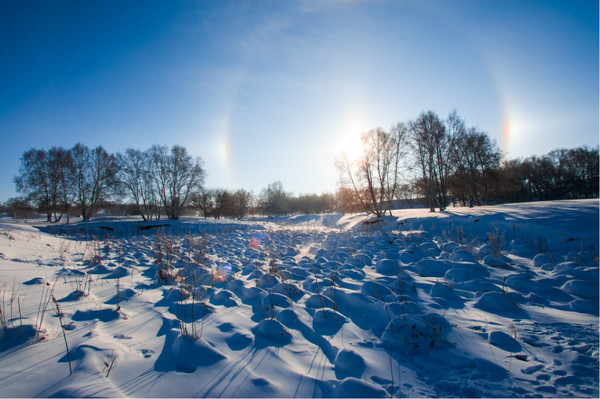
point(494, 301)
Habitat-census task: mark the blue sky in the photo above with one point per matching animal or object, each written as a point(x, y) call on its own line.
point(274, 90)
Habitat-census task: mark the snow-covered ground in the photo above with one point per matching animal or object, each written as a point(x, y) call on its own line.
point(491, 301)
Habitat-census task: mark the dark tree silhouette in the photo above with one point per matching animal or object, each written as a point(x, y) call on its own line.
point(93, 175)
point(44, 179)
point(373, 177)
point(135, 178)
point(475, 159)
point(432, 148)
point(177, 176)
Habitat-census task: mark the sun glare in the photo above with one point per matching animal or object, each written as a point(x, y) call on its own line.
point(349, 142)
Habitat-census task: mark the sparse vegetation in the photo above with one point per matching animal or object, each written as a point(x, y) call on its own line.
point(340, 296)
point(45, 299)
point(496, 241)
point(62, 328)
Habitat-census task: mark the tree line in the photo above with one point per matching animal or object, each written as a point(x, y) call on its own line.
point(444, 161)
point(152, 183)
point(428, 161)
point(156, 181)
point(272, 201)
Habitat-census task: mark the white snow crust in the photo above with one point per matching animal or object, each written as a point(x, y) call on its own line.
point(496, 301)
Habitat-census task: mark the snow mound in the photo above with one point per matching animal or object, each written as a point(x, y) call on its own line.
point(431, 267)
point(185, 354)
point(387, 267)
point(328, 321)
point(499, 303)
point(504, 341)
point(409, 305)
point(412, 333)
point(584, 289)
point(272, 332)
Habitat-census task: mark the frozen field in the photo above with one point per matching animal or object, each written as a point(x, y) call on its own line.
point(494, 301)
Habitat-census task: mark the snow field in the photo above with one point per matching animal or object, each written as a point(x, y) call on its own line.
point(496, 301)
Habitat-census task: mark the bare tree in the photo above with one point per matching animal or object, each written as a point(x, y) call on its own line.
point(61, 162)
point(43, 179)
point(93, 174)
point(203, 200)
point(563, 173)
point(351, 192)
point(511, 183)
point(374, 177)
point(135, 177)
point(474, 159)
point(347, 200)
point(395, 152)
point(222, 202)
point(241, 203)
point(177, 175)
point(34, 180)
point(158, 168)
point(432, 146)
point(274, 199)
point(585, 171)
point(187, 176)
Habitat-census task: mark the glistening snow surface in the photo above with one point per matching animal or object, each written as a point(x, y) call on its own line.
point(492, 301)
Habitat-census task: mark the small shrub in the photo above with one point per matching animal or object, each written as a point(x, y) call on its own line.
point(496, 241)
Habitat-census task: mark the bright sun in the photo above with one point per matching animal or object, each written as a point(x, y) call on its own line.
point(349, 142)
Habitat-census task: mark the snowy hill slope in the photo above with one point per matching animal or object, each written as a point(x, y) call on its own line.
point(491, 301)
